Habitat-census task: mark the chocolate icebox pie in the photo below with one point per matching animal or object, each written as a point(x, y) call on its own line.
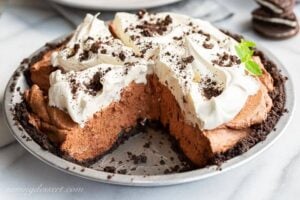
point(215, 93)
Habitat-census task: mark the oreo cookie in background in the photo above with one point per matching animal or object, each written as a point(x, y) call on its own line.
point(278, 6)
point(275, 19)
point(278, 26)
point(288, 19)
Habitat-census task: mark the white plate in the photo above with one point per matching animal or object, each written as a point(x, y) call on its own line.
point(11, 98)
point(115, 4)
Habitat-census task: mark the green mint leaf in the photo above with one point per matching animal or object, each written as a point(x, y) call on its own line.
point(239, 51)
point(248, 43)
point(253, 68)
point(245, 52)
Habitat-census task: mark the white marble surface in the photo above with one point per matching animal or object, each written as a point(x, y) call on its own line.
point(275, 174)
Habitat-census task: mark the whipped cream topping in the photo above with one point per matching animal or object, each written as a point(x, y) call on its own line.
point(196, 61)
point(145, 32)
point(234, 86)
point(92, 44)
point(83, 93)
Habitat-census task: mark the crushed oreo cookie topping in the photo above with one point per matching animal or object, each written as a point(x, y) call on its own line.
point(150, 28)
point(226, 60)
point(211, 88)
point(95, 86)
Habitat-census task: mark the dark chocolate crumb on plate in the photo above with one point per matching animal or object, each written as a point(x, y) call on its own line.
point(122, 171)
point(137, 159)
point(147, 145)
point(110, 169)
point(162, 162)
point(109, 177)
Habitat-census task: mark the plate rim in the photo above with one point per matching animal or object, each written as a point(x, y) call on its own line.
point(136, 4)
point(154, 180)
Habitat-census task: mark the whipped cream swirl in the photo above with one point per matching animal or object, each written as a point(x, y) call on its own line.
point(92, 44)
